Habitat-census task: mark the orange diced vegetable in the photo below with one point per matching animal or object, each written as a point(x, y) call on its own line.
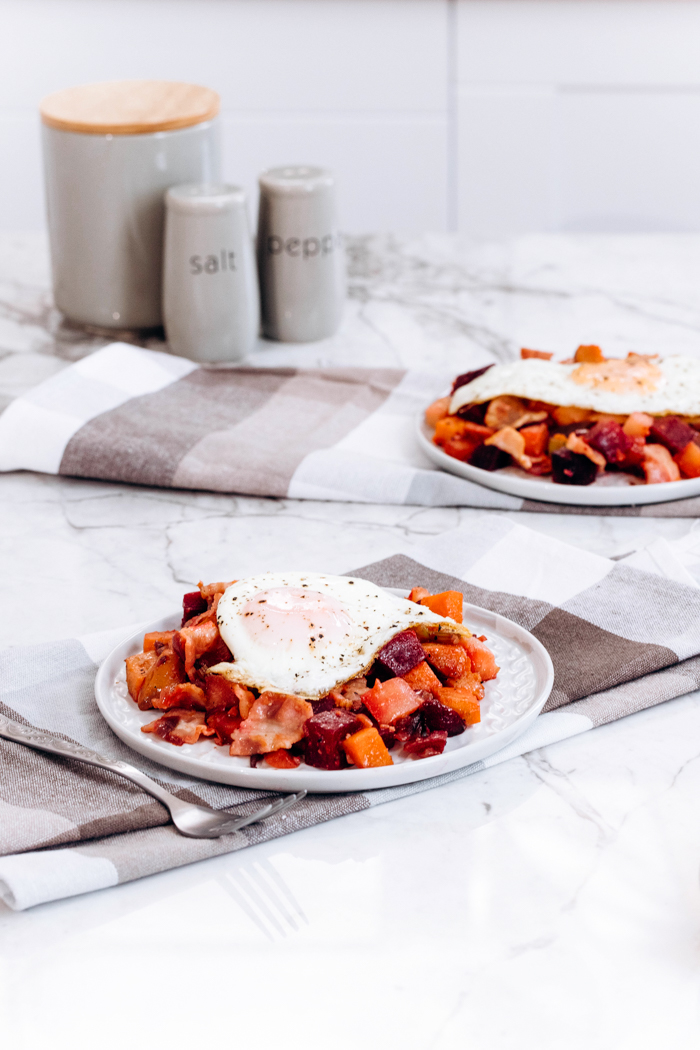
point(167, 670)
point(689, 460)
point(536, 438)
point(157, 638)
point(463, 702)
point(390, 700)
point(437, 411)
point(542, 354)
point(556, 442)
point(483, 662)
point(638, 425)
point(470, 683)
point(282, 759)
point(137, 667)
point(452, 661)
point(422, 677)
point(418, 593)
point(447, 603)
point(366, 749)
point(589, 355)
point(565, 415)
point(449, 427)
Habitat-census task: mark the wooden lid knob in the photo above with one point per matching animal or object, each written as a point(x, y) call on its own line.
point(129, 107)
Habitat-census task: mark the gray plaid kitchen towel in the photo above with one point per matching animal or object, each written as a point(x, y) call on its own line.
point(621, 640)
point(348, 434)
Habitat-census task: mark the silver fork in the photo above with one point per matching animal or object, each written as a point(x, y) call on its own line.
point(197, 822)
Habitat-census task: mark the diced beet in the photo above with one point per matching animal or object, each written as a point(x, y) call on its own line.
point(192, 605)
point(570, 468)
point(388, 735)
point(427, 746)
point(488, 457)
point(609, 438)
point(322, 705)
point(255, 760)
point(473, 413)
point(438, 716)
point(467, 377)
point(402, 653)
point(672, 432)
point(324, 733)
point(408, 727)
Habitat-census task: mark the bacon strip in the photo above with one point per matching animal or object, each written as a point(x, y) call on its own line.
point(275, 721)
point(179, 727)
point(196, 640)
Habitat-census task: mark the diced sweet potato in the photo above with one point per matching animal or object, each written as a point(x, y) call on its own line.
point(483, 662)
point(402, 652)
point(423, 678)
point(566, 415)
point(459, 437)
point(390, 700)
point(638, 425)
point(588, 355)
point(137, 667)
point(463, 702)
point(447, 603)
point(452, 661)
point(689, 460)
point(418, 593)
point(282, 759)
point(366, 749)
point(470, 682)
point(437, 411)
point(167, 670)
point(541, 354)
point(157, 639)
point(536, 437)
point(659, 466)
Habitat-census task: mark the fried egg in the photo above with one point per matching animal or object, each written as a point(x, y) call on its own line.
point(305, 634)
point(617, 386)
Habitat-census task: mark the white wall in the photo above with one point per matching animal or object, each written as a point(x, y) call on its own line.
point(491, 116)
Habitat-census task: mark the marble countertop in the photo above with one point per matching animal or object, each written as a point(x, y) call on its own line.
point(552, 901)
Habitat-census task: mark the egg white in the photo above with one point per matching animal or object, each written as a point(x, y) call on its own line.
point(677, 391)
point(312, 667)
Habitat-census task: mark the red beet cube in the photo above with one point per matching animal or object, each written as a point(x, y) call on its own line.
point(402, 653)
point(609, 438)
point(192, 605)
point(408, 727)
point(488, 457)
point(570, 468)
point(439, 717)
point(322, 705)
point(467, 377)
point(672, 432)
point(324, 733)
point(426, 746)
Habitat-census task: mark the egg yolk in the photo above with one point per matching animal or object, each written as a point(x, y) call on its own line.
point(295, 618)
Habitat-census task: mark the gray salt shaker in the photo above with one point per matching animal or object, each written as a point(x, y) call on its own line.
point(211, 306)
point(301, 261)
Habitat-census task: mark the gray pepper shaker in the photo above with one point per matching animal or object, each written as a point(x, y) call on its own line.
point(211, 305)
point(301, 261)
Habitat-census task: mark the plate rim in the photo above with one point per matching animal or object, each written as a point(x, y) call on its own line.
point(327, 781)
point(580, 495)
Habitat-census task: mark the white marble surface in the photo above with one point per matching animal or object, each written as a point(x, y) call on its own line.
point(552, 902)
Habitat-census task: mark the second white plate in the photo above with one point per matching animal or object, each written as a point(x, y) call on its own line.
point(610, 490)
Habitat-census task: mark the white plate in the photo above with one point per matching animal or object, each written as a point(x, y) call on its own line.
point(610, 490)
point(512, 702)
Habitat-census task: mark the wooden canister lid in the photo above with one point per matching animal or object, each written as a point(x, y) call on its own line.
point(129, 107)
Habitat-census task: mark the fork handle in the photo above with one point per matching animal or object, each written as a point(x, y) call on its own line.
point(54, 745)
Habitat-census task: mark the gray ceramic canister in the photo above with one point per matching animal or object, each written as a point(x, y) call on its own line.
point(301, 260)
point(211, 306)
point(110, 152)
